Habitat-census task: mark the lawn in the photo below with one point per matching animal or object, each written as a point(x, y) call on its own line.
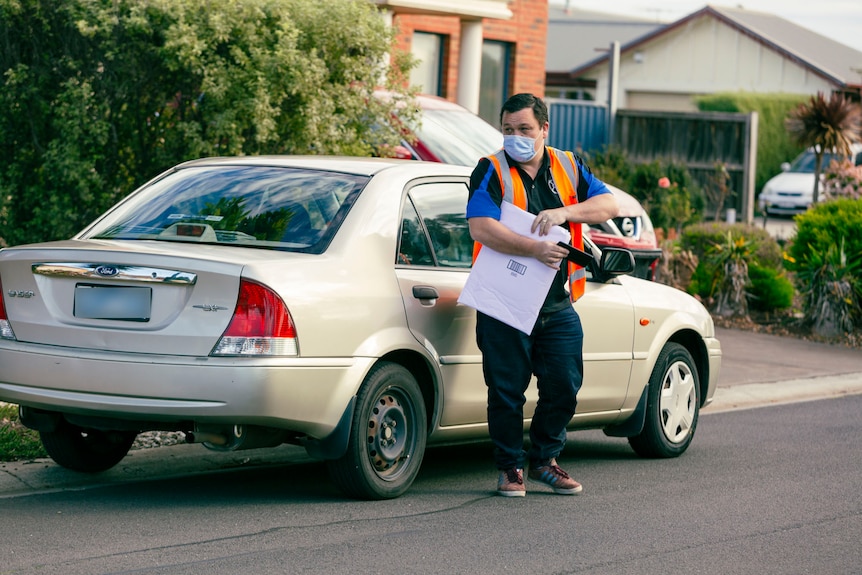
point(16, 441)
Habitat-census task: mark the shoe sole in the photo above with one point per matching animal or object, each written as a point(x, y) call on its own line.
point(512, 493)
point(559, 490)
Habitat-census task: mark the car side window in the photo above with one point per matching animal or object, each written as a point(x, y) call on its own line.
point(441, 207)
point(413, 247)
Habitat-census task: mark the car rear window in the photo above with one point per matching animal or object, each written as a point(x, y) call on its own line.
point(255, 206)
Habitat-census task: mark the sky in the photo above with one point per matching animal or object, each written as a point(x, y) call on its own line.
point(840, 20)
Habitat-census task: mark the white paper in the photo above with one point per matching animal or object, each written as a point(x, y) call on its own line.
point(511, 288)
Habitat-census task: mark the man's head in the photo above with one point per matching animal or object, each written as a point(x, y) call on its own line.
point(520, 102)
point(524, 123)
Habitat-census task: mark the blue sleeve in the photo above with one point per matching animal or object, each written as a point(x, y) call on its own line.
point(482, 184)
point(595, 187)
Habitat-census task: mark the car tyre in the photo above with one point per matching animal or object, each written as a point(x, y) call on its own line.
point(673, 405)
point(387, 436)
point(86, 450)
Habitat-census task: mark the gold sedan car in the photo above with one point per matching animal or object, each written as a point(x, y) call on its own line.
point(250, 302)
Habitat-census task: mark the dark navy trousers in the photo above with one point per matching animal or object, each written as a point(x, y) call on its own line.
point(553, 352)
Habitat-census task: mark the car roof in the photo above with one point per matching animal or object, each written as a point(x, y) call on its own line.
point(345, 164)
point(429, 102)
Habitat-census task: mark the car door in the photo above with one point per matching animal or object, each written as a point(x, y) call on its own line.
point(432, 264)
point(607, 316)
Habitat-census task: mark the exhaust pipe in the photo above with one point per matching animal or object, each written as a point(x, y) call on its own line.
point(237, 437)
point(206, 437)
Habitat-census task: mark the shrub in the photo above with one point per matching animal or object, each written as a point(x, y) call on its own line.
point(611, 166)
point(768, 288)
point(826, 255)
point(842, 180)
point(701, 237)
point(669, 207)
point(730, 261)
point(98, 97)
point(824, 225)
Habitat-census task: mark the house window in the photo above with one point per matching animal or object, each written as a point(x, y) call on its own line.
point(494, 84)
point(428, 50)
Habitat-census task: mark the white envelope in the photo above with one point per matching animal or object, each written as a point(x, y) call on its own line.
point(511, 288)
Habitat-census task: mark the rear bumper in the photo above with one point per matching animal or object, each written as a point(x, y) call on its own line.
point(306, 396)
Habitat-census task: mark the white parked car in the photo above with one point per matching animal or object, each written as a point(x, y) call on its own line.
point(254, 301)
point(792, 191)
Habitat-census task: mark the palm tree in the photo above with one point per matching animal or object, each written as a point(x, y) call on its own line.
point(826, 125)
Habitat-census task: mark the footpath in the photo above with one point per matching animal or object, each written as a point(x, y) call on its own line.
point(757, 370)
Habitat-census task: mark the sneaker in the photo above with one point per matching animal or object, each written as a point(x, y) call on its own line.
point(511, 483)
point(555, 478)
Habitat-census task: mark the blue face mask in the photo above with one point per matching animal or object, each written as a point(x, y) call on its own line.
point(520, 148)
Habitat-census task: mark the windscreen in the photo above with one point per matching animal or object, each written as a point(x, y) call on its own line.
point(458, 136)
point(804, 164)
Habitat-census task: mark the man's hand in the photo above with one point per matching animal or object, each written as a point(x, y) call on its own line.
point(547, 219)
point(549, 253)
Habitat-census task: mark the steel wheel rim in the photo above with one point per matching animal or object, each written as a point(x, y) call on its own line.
point(677, 402)
point(391, 434)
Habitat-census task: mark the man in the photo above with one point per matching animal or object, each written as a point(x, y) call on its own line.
point(560, 190)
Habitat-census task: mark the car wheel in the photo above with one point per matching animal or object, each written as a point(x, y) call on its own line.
point(87, 450)
point(673, 405)
point(387, 436)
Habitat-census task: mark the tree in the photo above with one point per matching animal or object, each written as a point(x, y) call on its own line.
point(826, 125)
point(98, 97)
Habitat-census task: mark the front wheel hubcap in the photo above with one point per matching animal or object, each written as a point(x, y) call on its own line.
point(677, 402)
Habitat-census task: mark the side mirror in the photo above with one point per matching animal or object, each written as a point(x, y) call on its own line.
point(617, 261)
point(785, 166)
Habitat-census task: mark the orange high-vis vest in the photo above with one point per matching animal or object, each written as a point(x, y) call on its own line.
point(564, 172)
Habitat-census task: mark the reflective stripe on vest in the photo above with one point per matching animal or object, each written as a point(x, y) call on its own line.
point(565, 177)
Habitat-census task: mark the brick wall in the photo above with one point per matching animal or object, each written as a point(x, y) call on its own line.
point(526, 32)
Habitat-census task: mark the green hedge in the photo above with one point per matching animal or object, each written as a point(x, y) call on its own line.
point(774, 144)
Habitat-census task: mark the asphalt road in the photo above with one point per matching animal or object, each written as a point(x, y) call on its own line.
point(757, 370)
point(770, 491)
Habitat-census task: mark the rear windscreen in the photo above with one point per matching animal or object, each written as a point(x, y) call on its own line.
point(255, 206)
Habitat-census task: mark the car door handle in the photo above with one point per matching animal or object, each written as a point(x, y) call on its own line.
point(425, 292)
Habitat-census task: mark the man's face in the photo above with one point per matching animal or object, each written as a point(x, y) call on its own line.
point(524, 123)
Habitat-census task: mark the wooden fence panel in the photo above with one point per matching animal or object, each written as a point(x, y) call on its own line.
point(699, 140)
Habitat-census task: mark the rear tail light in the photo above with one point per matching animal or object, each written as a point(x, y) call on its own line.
point(260, 326)
point(5, 329)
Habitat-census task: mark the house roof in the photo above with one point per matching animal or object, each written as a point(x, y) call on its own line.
point(823, 56)
point(575, 37)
